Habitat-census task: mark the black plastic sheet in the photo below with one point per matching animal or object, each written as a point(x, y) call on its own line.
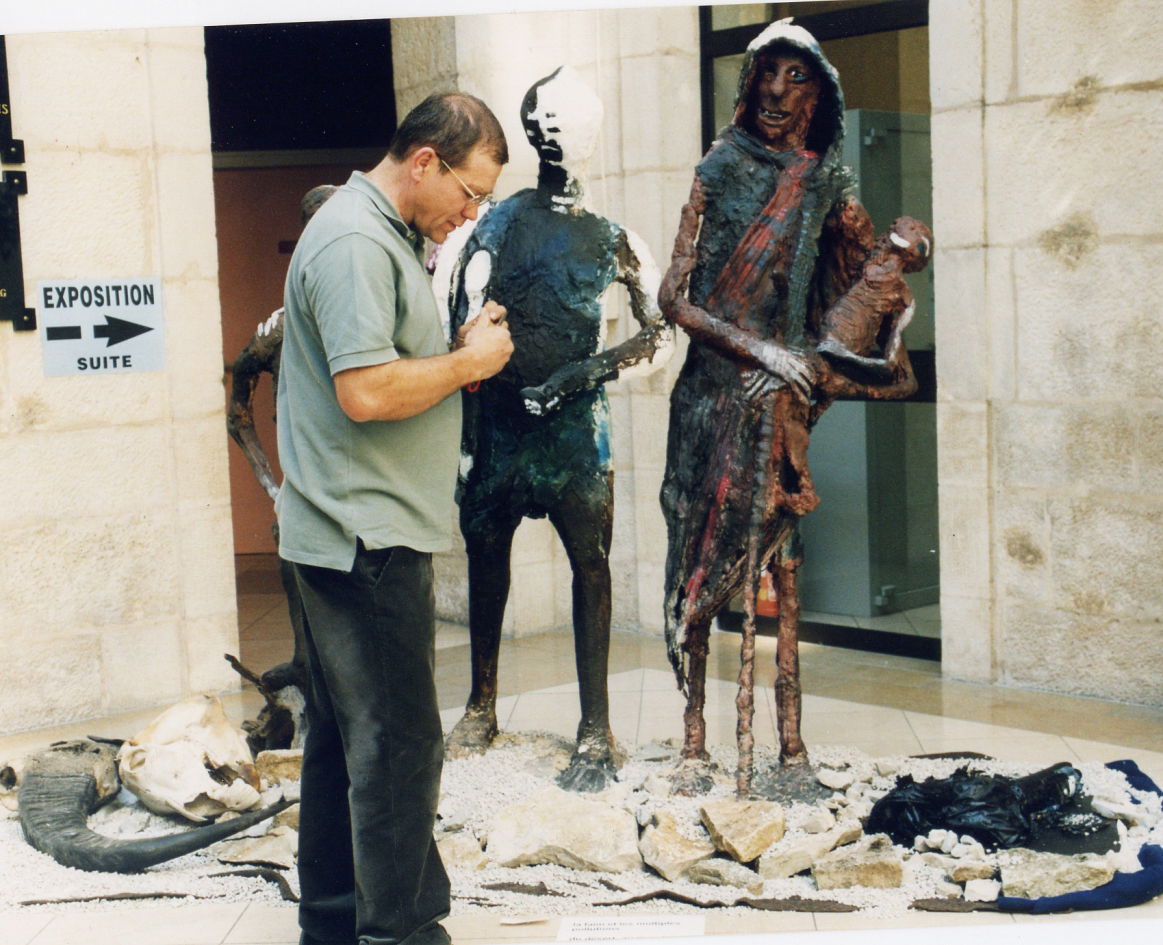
point(997, 811)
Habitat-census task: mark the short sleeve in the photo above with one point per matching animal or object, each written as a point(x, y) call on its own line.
point(351, 287)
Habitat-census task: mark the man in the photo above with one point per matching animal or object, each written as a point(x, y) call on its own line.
point(368, 441)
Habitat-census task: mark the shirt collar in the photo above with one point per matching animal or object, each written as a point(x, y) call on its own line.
point(359, 181)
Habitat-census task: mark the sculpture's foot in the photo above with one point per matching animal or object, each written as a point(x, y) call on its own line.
point(692, 776)
point(593, 767)
point(473, 734)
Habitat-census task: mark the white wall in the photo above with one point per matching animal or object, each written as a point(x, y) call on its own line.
point(116, 568)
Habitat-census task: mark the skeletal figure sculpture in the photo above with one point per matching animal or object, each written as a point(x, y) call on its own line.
point(536, 436)
point(769, 239)
point(262, 355)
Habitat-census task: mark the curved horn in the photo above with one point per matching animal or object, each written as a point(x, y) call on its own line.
point(54, 810)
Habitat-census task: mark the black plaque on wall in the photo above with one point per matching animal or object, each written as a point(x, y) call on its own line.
point(12, 185)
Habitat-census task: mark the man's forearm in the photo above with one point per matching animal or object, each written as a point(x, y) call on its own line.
point(405, 387)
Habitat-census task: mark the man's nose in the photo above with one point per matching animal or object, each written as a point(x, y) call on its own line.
point(777, 85)
point(470, 211)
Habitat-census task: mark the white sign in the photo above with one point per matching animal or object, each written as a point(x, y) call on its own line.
point(100, 326)
point(621, 928)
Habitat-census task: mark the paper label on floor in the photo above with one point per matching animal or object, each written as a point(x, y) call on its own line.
point(620, 928)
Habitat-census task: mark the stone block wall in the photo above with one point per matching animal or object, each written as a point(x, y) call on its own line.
point(116, 566)
point(643, 64)
point(1047, 123)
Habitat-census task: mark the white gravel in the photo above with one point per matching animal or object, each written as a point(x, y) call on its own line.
point(475, 789)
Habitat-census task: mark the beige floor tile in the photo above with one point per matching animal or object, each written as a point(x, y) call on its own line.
point(662, 702)
point(451, 715)
point(265, 924)
point(569, 687)
point(560, 712)
point(1031, 747)
point(874, 746)
point(1149, 762)
point(925, 626)
point(204, 924)
point(938, 726)
point(657, 680)
point(449, 635)
point(260, 655)
point(654, 727)
point(824, 705)
point(20, 928)
point(841, 729)
point(1151, 912)
point(545, 712)
point(847, 921)
point(721, 729)
point(626, 681)
point(487, 929)
point(759, 923)
point(254, 607)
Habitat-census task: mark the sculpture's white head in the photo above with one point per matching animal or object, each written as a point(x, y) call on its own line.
point(562, 118)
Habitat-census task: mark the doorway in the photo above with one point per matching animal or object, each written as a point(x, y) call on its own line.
point(292, 106)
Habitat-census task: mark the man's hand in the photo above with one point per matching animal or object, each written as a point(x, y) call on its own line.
point(487, 338)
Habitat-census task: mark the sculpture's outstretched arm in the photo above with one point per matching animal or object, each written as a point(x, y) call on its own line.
point(707, 328)
point(260, 354)
point(640, 354)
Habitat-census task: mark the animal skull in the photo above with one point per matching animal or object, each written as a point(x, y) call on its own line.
point(191, 761)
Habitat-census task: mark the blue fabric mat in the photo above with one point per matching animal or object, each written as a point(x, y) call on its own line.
point(1125, 889)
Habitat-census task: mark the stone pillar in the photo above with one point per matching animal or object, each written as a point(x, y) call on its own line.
point(1045, 134)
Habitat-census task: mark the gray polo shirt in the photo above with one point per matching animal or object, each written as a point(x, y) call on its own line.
point(357, 295)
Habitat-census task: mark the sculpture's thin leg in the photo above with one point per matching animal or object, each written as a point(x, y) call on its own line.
point(488, 590)
point(694, 745)
point(584, 521)
point(693, 774)
point(787, 680)
point(745, 697)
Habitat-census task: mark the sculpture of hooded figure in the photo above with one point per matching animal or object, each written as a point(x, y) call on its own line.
point(770, 237)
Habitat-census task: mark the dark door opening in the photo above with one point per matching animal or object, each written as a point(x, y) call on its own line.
point(292, 106)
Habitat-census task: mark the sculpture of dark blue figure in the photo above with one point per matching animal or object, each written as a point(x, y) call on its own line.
point(536, 436)
point(769, 240)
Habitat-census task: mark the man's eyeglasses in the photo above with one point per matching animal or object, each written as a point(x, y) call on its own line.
point(474, 200)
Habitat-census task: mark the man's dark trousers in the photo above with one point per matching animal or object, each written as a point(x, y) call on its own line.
point(368, 866)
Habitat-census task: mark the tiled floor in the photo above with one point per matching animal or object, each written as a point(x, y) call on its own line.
point(880, 704)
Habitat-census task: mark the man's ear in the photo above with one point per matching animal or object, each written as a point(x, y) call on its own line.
point(420, 161)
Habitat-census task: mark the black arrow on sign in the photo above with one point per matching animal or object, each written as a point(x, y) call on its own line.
point(118, 330)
